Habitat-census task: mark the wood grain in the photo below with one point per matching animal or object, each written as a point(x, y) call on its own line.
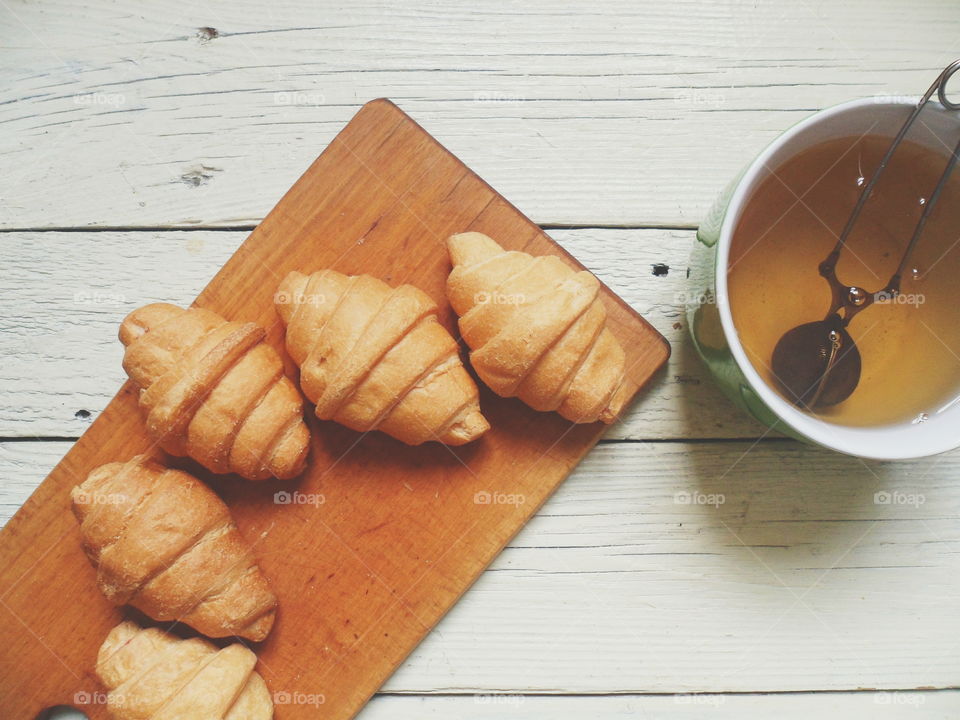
point(66, 313)
point(797, 581)
point(621, 112)
point(401, 532)
point(629, 112)
point(850, 706)
point(865, 705)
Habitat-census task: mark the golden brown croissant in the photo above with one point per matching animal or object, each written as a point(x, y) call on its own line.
point(163, 542)
point(376, 357)
point(536, 329)
point(150, 674)
point(213, 391)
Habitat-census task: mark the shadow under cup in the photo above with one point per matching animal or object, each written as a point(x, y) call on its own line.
point(709, 314)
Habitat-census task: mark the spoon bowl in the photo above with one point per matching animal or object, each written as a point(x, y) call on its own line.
point(817, 364)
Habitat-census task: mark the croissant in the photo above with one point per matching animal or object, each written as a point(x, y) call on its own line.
point(162, 541)
point(213, 391)
point(376, 357)
point(536, 329)
point(150, 674)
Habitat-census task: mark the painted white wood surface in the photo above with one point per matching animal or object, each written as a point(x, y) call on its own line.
point(631, 114)
point(71, 290)
point(621, 112)
point(850, 706)
point(628, 580)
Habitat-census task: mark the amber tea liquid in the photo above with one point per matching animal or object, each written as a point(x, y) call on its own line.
point(910, 347)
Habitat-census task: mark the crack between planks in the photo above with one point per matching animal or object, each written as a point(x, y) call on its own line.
point(765, 441)
point(466, 693)
point(250, 227)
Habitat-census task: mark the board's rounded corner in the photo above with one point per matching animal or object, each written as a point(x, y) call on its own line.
point(667, 347)
point(380, 102)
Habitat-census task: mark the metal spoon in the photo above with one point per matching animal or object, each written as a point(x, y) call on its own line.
point(817, 364)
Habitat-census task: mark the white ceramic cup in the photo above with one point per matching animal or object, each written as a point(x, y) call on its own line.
point(713, 330)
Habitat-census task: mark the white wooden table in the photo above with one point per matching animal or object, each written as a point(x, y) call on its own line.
point(141, 142)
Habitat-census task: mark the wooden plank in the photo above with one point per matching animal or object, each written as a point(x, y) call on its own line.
point(852, 706)
point(362, 576)
point(67, 292)
point(626, 112)
point(797, 581)
point(938, 705)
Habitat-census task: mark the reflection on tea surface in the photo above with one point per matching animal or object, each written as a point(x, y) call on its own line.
point(910, 344)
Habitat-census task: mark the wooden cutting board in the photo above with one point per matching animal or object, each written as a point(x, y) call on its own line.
point(390, 535)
